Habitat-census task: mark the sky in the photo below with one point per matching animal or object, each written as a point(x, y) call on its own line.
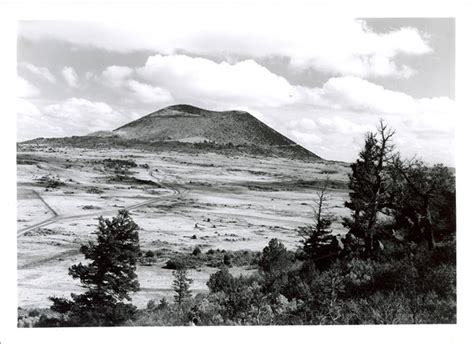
point(323, 82)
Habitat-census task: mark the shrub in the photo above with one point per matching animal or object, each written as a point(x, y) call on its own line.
point(227, 260)
point(33, 313)
point(175, 264)
point(147, 259)
point(118, 163)
point(222, 280)
point(150, 254)
point(51, 182)
point(151, 305)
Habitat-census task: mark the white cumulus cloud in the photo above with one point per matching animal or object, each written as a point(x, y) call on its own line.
point(70, 76)
point(359, 95)
point(195, 79)
point(42, 72)
point(25, 89)
point(82, 116)
point(122, 80)
point(149, 94)
point(116, 75)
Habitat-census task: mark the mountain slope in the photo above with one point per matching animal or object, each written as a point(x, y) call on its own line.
point(191, 124)
point(191, 129)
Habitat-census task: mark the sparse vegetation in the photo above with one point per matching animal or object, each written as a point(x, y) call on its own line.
point(90, 142)
point(51, 182)
point(117, 164)
point(397, 264)
point(132, 181)
point(94, 190)
point(212, 258)
point(407, 285)
point(147, 259)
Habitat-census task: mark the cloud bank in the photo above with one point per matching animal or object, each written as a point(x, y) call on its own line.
point(336, 46)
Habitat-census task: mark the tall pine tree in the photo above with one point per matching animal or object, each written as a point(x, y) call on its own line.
point(109, 278)
point(369, 183)
point(316, 238)
point(181, 286)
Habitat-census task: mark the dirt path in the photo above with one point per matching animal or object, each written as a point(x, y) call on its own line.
point(175, 192)
point(269, 218)
point(62, 255)
point(43, 201)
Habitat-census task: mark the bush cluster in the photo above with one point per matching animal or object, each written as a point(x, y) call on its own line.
point(118, 163)
point(398, 271)
point(212, 258)
point(406, 286)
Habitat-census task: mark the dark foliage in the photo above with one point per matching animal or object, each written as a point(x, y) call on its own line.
point(397, 264)
point(51, 182)
point(370, 185)
point(212, 258)
point(109, 278)
point(424, 200)
point(118, 163)
point(181, 285)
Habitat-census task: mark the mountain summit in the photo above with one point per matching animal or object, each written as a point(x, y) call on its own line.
point(190, 129)
point(190, 124)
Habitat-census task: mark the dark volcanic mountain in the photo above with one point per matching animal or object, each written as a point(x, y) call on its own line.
point(187, 123)
point(188, 128)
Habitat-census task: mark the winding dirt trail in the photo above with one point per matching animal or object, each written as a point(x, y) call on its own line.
point(175, 193)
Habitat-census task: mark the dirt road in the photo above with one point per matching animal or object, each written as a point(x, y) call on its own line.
point(175, 193)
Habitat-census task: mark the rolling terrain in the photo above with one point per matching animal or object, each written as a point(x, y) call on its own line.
point(181, 198)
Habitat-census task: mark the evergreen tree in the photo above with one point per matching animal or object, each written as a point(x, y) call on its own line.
point(222, 280)
point(109, 278)
point(370, 184)
point(275, 258)
point(181, 286)
point(425, 199)
point(275, 263)
point(316, 238)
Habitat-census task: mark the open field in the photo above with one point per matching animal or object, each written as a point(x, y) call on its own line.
point(180, 201)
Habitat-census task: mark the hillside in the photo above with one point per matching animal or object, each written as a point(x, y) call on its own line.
point(188, 128)
point(191, 124)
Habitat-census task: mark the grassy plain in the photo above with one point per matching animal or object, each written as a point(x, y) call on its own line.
point(180, 200)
